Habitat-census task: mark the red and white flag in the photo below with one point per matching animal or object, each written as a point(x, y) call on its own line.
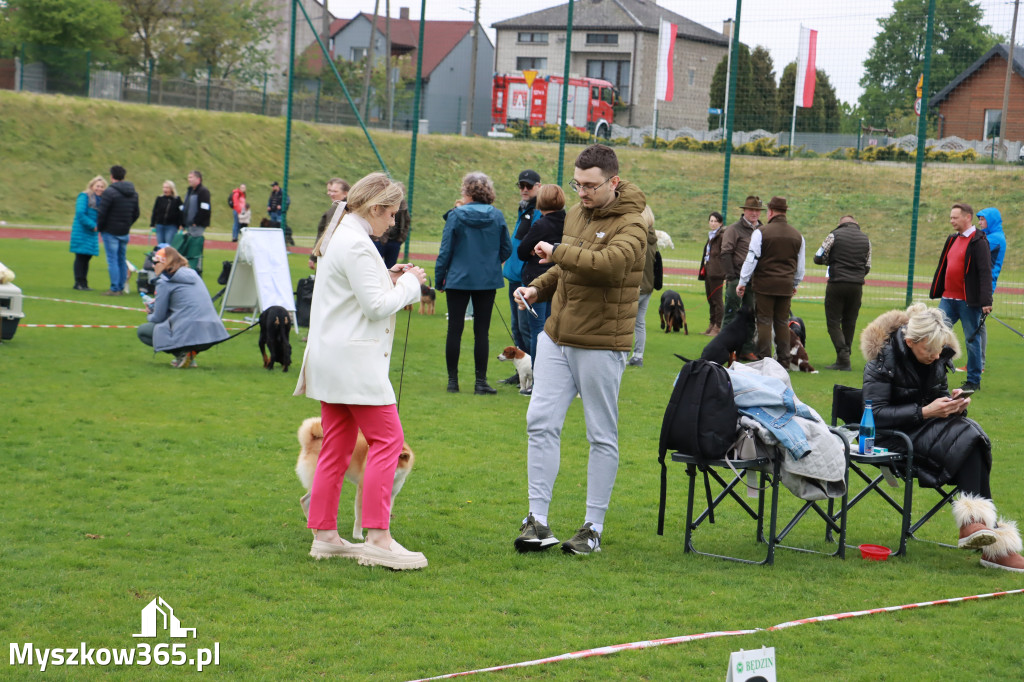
point(803, 95)
point(663, 84)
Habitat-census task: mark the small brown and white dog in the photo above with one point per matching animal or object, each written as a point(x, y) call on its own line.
point(523, 364)
point(798, 358)
point(311, 437)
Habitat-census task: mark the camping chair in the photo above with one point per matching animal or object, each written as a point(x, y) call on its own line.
point(847, 408)
point(191, 248)
point(767, 463)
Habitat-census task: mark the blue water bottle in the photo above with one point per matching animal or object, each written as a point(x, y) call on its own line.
point(866, 439)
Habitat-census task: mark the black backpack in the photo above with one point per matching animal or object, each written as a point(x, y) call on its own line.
point(231, 200)
point(304, 300)
point(700, 419)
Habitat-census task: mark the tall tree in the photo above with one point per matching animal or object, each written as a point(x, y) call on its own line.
point(755, 90)
point(765, 92)
point(152, 33)
point(77, 24)
point(896, 60)
point(742, 87)
point(824, 117)
point(225, 37)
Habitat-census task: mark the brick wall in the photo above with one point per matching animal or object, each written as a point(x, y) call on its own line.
point(964, 108)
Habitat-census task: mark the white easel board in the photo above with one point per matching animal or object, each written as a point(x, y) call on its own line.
point(260, 276)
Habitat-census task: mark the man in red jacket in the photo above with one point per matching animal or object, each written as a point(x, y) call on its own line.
point(963, 280)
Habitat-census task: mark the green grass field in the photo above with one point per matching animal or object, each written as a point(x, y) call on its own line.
point(127, 480)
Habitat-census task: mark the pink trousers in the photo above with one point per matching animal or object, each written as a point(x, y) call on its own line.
point(383, 433)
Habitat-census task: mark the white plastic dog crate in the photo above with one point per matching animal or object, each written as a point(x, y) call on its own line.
point(10, 311)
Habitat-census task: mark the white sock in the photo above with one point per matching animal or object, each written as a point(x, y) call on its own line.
point(542, 519)
point(597, 527)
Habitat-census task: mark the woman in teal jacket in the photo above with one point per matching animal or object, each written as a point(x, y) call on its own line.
point(85, 242)
point(474, 244)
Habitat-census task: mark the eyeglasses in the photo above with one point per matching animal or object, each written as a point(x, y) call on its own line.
point(526, 185)
point(586, 189)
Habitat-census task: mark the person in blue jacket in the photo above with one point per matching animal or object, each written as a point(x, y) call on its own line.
point(85, 241)
point(990, 222)
point(474, 244)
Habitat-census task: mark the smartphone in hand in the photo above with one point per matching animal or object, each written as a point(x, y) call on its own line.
point(966, 393)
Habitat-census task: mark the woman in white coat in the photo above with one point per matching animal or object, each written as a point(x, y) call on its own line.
point(345, 367)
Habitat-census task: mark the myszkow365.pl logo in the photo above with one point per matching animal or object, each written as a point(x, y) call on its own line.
point(157, 615)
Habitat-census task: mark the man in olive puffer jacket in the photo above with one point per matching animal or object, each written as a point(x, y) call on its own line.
point(593, 288)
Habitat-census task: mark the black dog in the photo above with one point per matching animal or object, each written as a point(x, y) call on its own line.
point(672, 312)
point(275, 326)
point(724, 347)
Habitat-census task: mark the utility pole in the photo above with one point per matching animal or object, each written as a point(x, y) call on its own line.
point(1006, 84)
point(389, 82)
point(472, 68)
point(369, 61)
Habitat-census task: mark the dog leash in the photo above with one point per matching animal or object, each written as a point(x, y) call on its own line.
point(1002, 323)
point(496, 307)
point(405, 352)
point(981, 323)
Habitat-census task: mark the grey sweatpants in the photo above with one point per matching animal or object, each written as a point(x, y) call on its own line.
point(559, 373)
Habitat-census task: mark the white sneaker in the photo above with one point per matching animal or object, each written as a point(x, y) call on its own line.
point(396, 557)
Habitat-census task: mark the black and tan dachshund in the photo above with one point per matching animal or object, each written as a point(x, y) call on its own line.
point(275, 328)
point(672, 312)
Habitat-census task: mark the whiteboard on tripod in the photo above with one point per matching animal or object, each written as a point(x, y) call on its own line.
point(260, 276)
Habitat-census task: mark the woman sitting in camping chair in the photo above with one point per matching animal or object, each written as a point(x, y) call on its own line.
point(182, 319)
point(908, 355)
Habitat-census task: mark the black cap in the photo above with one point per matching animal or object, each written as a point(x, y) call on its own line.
point(274, 184)
point(530, 176)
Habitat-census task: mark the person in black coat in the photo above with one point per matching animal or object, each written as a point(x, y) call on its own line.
point(908, 355)
point(197, 209)
point(548, 228)
point(117, 212)
point(166, 217)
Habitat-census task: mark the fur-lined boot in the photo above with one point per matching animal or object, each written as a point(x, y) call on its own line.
point(976, 517)
point(1004, 553)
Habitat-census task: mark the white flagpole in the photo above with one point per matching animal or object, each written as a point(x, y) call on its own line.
point(796, 74)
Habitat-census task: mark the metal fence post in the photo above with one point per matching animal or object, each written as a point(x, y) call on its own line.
point(149, 83)
point(209, 77)
point(922, 138)
point(263, 106)
point(21, 71)
point(316, 105)
point(88, 70)
point(731, 104)
point(565, 94)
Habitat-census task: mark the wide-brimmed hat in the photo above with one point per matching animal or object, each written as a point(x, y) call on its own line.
point(753, 202)
point(778, 204)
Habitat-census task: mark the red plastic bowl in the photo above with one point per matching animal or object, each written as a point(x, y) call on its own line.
point(874, 552)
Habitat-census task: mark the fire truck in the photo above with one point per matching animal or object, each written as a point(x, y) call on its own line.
point(539, 102)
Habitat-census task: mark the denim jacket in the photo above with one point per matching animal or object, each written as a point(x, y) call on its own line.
point(774, 405)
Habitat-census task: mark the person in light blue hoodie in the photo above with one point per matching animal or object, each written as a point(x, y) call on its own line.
point(474, 244)
point(990, 222)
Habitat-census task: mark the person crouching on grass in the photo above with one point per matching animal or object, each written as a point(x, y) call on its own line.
point(345, 367)
point(182, 319)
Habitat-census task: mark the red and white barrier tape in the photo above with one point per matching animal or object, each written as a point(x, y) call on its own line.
point(604, 651)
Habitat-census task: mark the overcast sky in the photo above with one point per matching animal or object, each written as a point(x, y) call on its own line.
point(846, 30)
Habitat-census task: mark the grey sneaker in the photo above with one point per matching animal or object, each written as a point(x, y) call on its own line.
point(635, 362)
point(534, 536)
point(586, 541)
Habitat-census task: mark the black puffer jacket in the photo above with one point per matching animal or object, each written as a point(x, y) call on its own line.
point(897, 391)
point(543, 229)
point(118, 209)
